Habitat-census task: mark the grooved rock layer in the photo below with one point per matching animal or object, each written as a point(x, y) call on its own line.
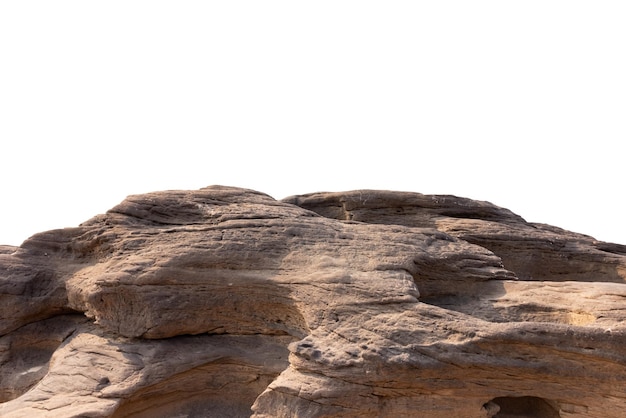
point(225, 302)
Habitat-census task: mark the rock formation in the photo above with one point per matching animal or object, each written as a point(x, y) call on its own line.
point(224, 302)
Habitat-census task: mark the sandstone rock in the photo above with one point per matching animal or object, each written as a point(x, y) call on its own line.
point(225, 302)
point(533, 251)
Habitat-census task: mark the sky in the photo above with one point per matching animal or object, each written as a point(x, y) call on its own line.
point(522, 104)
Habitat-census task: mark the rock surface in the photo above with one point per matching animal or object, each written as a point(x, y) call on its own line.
point(225, 302)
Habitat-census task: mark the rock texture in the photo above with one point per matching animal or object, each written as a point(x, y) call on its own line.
point(224, 302)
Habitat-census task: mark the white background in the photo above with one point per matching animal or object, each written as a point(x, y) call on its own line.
point(520, 103)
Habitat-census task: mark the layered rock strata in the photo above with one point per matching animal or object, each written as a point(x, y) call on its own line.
point(225, 302)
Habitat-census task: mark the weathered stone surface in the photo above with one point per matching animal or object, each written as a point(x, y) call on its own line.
point(533, 251)
point(226, 302)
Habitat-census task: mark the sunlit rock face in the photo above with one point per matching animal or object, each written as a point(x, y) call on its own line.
point(224, 302)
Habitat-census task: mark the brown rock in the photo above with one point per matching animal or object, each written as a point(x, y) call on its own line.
point(533, 251)
point(225, 302)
